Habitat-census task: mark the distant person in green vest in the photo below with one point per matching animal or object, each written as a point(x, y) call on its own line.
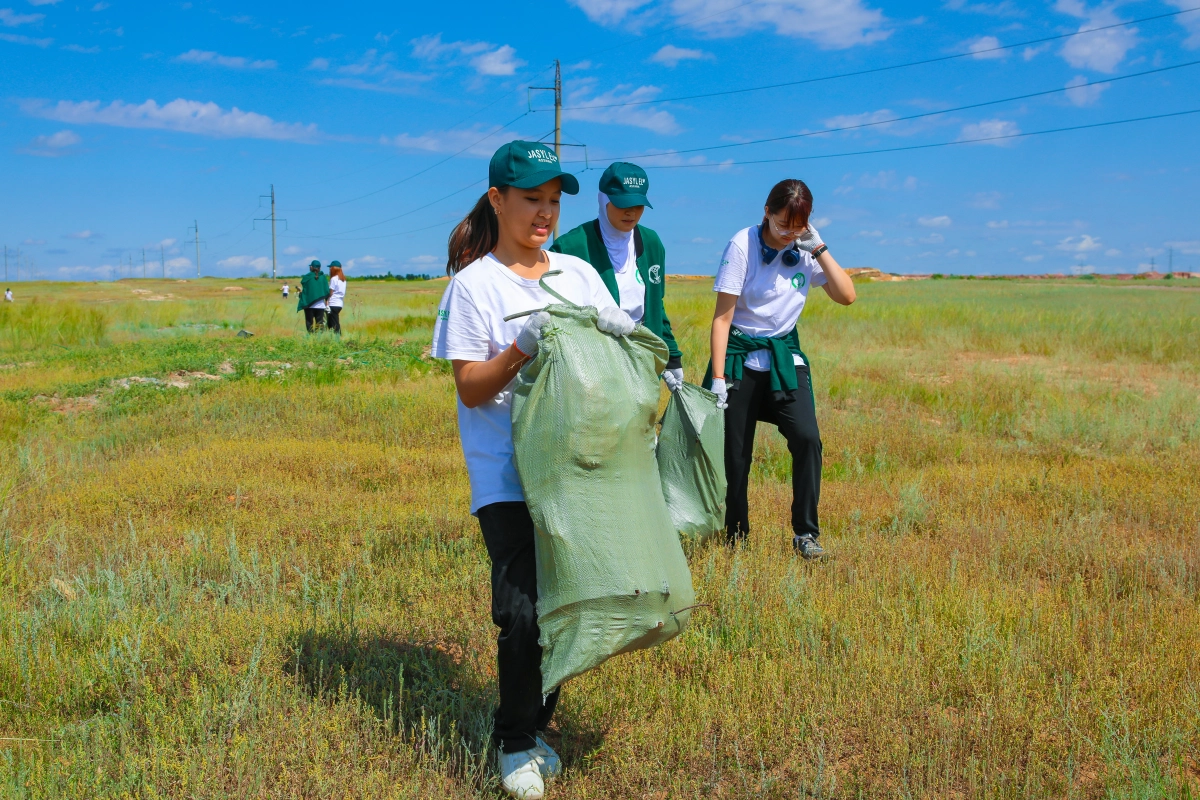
point(631, 259)
point(314, 294)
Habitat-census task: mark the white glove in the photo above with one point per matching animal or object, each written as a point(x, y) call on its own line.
point(810, 240)
point(718, 388)
point(527, 341)
point(615, 321)
point(673, 378)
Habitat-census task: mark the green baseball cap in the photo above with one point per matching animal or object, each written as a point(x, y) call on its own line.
point(335, 263)
point(626, 185)
point(526, 165)
point(315, 263)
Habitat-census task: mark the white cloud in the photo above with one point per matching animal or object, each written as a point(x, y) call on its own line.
point(100, 6)
point(168, 242)
point(183, 116)
point(1191, 248)
point(233, 62)
point(78, 48)
point(641, 116)
point(986, 200)
point(870, 234)
point(11, 19)
point(994, 129)
point(877, 119)
point(292, 250)
point(820, 222)
point(373, 72)
point(1001, 9)
point(1033, 259)
point(84, 235)
point(43, 2)
point(701, 240)
point(670, 55)
point(422, 259)
point(484, 57)
point(1078, 244)
point(1082, 95)
point(1190, 22)
point(984, 47)
point(935, 222)
point(608, 12)
point(255, 263)
point(319, 64)
point(476, 141)
point(53, 145)
point(33, 242)
point(828, 24)
point(1112, 252)
point(933, 238)
point(1102, 51)
point(998, 224)
point(176, 263)
point(16, 38)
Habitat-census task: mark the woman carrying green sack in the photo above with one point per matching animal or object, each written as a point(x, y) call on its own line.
point(495, 263)
point(758, 371)
point(314, 293)
point(631, 259)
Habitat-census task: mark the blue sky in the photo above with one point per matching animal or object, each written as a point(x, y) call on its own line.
point(123, 122)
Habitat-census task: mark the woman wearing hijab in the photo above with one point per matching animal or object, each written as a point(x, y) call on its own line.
point(758, 371)
point(314, 294)
point(630, 258)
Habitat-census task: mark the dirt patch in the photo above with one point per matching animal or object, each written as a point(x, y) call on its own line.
point(68, 405)
point(233, 289)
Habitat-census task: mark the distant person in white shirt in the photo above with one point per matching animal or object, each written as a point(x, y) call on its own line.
point(337, 297)
point(8, 295)
point(495, 262)
point(285, 291)
point(758, 370)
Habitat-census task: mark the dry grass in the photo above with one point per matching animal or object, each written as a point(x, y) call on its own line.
point(267, 585)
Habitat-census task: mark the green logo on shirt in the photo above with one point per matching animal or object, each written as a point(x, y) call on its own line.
point(443, 313)
point(798, 281)
point(656, 273)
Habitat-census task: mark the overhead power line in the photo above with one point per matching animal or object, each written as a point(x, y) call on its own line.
point(1001, 137)
point(450, 157)
point(398, 216)
point(892, 120)
point(874, 70)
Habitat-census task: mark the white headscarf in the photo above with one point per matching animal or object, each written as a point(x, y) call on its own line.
point(621, 250)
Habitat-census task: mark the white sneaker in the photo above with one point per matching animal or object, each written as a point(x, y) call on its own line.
point(549, 764)
point(520, 775)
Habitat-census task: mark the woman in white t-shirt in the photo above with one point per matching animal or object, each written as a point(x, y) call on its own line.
point(337, 297)
point(495, 262)
point(758, 371)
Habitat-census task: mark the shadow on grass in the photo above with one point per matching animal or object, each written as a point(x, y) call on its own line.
point(419, 691)
point(422, 693)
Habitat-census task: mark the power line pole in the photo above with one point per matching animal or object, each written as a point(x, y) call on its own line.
point(273, 220)
point(557, 89)
point(196, 231)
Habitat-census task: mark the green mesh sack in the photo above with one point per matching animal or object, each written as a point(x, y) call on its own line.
point(611, 573)
point(691, 462)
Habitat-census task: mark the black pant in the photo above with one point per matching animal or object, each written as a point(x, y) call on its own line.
point(333, 323)
point(753, 401)
point(314, 317)
point(508, 534)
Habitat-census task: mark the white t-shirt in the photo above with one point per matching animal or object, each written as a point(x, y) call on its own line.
point(632, 290)
point(770, 296)
point(285, 290)
point(338, 287)
point(470, 326)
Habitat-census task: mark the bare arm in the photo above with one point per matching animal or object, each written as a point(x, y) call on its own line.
point(837, 283)
point(480, 381)
point(719, 338)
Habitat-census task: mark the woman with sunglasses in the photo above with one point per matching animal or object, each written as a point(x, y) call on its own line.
point(758, 371)
point(495, 263)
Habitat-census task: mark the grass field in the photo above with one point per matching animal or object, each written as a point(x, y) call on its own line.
point(244, 567)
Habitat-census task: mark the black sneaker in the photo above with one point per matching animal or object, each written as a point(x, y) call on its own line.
point(806, 545)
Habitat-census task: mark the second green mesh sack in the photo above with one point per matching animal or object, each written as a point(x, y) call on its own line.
point(611, 573)
point(691, 462)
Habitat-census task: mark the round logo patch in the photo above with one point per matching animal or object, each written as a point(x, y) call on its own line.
point(656, 273)
point(798, 281)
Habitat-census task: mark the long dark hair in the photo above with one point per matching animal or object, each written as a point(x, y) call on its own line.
point(474, 237)
point(793, 198)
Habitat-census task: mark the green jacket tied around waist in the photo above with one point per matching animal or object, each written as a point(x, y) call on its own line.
point(314, 286)
point(783, 366)
point(585, 242)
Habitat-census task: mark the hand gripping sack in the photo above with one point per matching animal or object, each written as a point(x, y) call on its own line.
point(611, 573)
point(691, 462)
